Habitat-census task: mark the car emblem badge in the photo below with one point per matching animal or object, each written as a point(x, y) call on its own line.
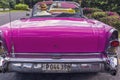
point(55, 46)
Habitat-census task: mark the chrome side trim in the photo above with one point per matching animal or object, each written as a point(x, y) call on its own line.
point(60, 54)
point(112, 30)
point(56, 60)
point(13, 54)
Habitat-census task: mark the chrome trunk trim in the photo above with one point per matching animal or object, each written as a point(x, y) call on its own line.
point(59, 54)
point(56, 60)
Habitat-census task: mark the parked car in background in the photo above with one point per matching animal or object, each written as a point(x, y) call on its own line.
point(63, 42)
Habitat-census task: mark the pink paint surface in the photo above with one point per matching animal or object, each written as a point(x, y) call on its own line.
point(56, 35)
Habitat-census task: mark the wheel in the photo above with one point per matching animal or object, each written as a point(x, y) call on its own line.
point(113, 72)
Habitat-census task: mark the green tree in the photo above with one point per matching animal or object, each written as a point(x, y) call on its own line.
point(6, 3)
point(22, 1)
point(106, 5)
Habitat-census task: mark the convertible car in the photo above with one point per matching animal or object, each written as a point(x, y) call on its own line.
point(65, 41)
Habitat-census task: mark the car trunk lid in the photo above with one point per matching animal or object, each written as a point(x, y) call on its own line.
point(55, 36)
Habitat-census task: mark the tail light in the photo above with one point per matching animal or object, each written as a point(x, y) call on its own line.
point(0, 43)
point(1, 48)
point(112, 47)
point(114, 43)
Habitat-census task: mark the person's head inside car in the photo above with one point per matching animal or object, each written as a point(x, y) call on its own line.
point(43, 7)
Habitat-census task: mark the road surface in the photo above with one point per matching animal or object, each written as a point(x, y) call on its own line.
point(5, 17)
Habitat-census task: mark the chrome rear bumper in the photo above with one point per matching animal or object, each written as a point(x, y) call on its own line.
point(35, 65)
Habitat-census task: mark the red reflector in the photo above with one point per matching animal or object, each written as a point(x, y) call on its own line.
point(115, 43)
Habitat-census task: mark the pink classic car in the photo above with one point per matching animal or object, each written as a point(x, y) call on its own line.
point(65, 41)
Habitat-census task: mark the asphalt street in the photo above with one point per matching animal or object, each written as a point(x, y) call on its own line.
point(4, 18)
